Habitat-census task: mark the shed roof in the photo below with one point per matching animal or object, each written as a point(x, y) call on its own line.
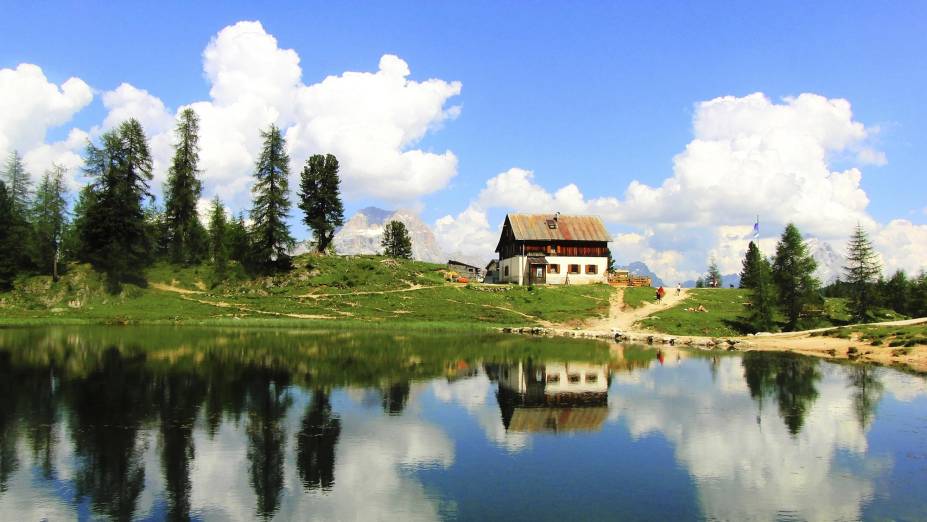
point(534, 227)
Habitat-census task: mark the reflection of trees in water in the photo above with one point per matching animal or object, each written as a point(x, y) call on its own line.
point(109, 406)
point(789, 378)
point(179, 397)
point(315, 443)
point(8, 394)
point(268, 402)
point(395, 397)
point(867, 392)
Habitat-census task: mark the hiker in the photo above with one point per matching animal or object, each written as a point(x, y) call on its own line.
point(660, 293)
point(678, 289)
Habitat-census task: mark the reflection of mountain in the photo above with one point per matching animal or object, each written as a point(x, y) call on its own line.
point(553, 397)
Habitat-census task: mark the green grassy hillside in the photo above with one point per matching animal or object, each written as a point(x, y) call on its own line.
point(352, 289)
point(727, 308)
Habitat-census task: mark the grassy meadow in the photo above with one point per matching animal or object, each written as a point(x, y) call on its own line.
point(356, 290)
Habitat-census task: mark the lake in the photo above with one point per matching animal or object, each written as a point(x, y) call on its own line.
point(225, 424)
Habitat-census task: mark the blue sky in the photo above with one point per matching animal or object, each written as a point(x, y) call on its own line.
point(595, 94)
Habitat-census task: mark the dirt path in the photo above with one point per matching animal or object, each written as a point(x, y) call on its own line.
point(412, 288)
point(621, 317)
point(234, 306)
point(171, 288)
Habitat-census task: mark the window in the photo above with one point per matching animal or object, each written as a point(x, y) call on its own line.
point(506, 271)
point(574, 378)
point(592, 269)
point(553, 269)
point(551, 224)
point(553, 378)
point(591, 378)
point(574, 269)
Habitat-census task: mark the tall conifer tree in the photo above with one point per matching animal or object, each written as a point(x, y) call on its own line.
point(50, 219)
point(763, 299)
point(183, 190)
point(320, 199)
point(18, 185)
point(270, 234)
point(7, 240)
point(861, 272)
point(751, 262)
point(218, 240)
point(114, 233)
point(793, 273)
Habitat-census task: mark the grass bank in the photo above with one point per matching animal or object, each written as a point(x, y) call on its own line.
point(320, 291)
point(727, 308)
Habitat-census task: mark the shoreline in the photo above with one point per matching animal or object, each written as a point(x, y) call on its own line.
point(830, 348)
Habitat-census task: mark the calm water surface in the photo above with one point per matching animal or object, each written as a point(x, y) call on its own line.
point(164, 423)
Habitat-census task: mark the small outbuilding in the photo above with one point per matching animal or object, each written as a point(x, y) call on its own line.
point(464, 269)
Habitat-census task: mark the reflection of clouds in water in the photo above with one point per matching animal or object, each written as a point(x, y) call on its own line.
point(475, 394)
point(28, 498)
point(369, 478)
point(745, 463)
point(902, 386)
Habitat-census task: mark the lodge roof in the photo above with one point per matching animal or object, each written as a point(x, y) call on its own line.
point(537, 227)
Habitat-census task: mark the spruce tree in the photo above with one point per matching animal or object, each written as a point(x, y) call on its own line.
point(610, 265)
point(793, 274)
point(218, 241)
point(270, 234)
point(861, 272)
point(763, 300)
point(750, 266)
point(396, 242)
point(114, 234)
point(8, 245)
point(238, 241)
point(19, 191)
point(897, 291)
point(713, 278)
point(320, 199)
point(699, 283)
point(18, 185)
point(50, 220)
point(183, 190)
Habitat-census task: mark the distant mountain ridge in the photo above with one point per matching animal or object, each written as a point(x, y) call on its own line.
point(641, 269)
point(361, 234)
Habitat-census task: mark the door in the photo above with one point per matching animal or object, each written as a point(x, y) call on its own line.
point(538, 274)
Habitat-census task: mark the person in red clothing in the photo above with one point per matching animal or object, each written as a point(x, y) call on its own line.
point(660, 293)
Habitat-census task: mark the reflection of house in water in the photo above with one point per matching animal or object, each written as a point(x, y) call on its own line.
point(553, 397)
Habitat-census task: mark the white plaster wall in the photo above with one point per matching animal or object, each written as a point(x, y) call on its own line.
point(518, 270)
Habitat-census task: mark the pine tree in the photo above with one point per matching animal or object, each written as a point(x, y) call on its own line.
point(218, 241)
point(713, 278)
point(793, 273)
point(699, 283)
point(610, 266)
point(396, 242)
point(238, 242)
point(19, 191)
point(750, 265)
point(897, 291)
point(183, 190)
point(114, 234)
point(320, 200)
point(271, 239)
point(763, 301)
point(50, 220)
point(861, 271)
point(18, 184)
point(7, 240)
